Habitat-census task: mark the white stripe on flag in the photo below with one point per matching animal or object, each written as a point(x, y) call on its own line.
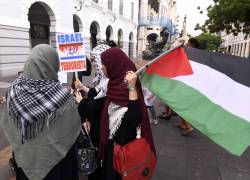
point(220, 89)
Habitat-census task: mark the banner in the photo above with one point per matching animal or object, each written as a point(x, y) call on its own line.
point(71, 52)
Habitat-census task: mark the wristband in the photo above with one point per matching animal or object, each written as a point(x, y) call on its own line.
point(131, 89)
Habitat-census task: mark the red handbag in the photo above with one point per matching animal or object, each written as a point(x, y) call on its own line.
point(135, 160)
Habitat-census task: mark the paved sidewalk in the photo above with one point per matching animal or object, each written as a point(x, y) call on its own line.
point(195, 157)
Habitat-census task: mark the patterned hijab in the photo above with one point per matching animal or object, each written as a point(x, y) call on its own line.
point(96, 53)
point(35, 95)
point(100, 81)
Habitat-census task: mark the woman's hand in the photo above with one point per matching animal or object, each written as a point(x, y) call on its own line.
point(78, 97)
point(86, 125)
point(71, 91)
point(78, 84)
point(131, 78)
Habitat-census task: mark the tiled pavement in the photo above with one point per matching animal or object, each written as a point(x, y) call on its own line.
point(179, 158)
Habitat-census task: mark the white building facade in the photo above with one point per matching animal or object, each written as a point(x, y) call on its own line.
point(107, 20)
point(26, 23)
point(153, 16)
point(236, 45)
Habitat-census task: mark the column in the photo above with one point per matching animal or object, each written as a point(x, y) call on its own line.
point(243, 50)
point(237, 51)
point(233, 49)
point(141, 40)
point(143, 11)
point(247, 51)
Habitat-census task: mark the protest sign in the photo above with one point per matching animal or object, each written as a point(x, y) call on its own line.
point(71, 52)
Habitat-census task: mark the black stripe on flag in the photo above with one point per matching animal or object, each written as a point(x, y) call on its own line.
point(236, 68)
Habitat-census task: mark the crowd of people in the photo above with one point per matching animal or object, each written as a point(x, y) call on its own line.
point(42, 119)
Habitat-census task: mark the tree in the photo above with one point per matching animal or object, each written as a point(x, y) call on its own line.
point(233, 16)
point(209, 41)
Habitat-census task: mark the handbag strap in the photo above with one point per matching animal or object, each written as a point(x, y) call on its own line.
point(86, 134)
point(138, 132)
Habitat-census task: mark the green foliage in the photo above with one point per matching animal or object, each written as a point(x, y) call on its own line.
point(209, 41)
point(233, 16)
point(167, 46)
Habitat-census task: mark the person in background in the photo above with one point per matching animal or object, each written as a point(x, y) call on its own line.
point(40, 120)
point(149, 99)
point(184, 125)
point(112, 43)
point(167, 114)
point(194, 43)
point(100, 81)
point(124, 109)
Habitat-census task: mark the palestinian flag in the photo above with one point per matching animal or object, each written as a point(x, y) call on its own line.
point(209, 90)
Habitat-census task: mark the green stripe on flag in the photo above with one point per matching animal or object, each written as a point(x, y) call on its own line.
point(223, 127)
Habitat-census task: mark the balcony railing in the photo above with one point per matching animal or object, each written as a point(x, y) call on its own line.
point(155, 20)
point(158, 21)
point(149, 21)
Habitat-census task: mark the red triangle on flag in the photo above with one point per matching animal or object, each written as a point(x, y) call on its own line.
point(171, 65)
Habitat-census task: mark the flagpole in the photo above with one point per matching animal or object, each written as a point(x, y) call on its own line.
point(76, 76)
point(155, 59)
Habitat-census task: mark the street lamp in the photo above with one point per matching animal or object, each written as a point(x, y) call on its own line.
point(78, 5)
point(113, 18)
point(81, 3)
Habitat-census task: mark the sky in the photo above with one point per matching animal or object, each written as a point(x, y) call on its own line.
point(189, 7)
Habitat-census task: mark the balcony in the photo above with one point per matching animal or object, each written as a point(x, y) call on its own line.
point(157, 21)
point(145, 21)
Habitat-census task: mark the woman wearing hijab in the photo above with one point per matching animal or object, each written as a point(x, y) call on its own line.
point(40, 120)
point(90, 109)
point(100, 81)
point(123, 111)
point(92, 106)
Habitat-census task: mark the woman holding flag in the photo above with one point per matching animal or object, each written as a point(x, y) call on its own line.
point(124, 109)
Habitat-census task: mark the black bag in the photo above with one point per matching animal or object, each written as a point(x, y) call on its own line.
point(86, 154)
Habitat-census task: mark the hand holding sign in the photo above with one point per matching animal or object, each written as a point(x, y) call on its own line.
point(78, 84)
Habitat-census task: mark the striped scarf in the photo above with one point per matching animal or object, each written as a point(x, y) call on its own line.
point(32, 102)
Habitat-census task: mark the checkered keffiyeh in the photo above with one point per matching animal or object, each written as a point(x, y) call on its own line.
point(31, 102)
point(96, 52)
